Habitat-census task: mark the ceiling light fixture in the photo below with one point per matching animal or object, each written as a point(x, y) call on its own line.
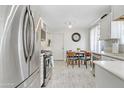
point(69, 25)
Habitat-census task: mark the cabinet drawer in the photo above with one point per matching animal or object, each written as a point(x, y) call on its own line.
point(109, 58)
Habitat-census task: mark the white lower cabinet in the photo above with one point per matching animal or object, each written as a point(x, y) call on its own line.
point(106, 58)
point(105, 79)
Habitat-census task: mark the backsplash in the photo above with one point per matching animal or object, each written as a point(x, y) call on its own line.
point(108, 46)
point(121, 48)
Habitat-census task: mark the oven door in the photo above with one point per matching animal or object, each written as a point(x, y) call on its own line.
point(48, 66)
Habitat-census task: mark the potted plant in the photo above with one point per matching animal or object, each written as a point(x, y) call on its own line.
point(78, 49)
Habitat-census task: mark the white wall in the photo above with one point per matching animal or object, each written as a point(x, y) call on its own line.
point(37, 15)
point(82, 44)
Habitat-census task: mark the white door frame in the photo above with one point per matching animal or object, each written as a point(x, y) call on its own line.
point(62, 47)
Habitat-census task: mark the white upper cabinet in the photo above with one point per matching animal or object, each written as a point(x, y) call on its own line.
point(108, 28)
point(115, 31)
point(105, 27)
point(117, 12)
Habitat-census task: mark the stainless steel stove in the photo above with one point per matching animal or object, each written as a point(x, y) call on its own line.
point(47, 65)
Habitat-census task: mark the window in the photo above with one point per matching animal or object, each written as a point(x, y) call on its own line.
point(121, 28)
point(94, 39)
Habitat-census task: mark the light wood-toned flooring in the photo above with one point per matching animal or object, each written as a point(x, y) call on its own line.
point(68, 77)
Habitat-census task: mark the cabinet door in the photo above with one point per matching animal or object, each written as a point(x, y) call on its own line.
point(105, 79)
point(117, 11)
point(115, 32)
point(105, 27)
point(106, 58)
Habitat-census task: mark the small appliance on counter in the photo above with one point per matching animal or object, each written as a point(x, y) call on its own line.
point(115, 46)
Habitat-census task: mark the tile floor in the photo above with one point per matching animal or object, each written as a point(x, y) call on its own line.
point(68, 77)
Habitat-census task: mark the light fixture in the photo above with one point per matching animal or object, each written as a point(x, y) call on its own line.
point(69, 25)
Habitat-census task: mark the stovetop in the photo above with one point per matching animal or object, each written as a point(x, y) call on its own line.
point(46, 52)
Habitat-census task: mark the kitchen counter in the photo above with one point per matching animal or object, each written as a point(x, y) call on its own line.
point(119, 56)
point(114, 67)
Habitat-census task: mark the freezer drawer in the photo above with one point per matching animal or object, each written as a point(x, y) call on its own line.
point(33, 81)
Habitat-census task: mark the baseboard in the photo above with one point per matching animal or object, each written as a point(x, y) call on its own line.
point(58, 60)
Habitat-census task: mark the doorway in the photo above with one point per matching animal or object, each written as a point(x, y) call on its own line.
point(57, 45)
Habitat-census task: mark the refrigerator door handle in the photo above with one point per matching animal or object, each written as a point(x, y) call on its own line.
point(25, 42)
point(32, 33)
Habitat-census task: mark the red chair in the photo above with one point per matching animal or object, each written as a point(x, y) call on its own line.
point(87, 57)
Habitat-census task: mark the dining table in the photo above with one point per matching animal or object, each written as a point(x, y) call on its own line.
point(81, 56)
point(79, 53)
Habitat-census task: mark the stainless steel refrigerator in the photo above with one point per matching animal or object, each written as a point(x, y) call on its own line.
point(19, 48)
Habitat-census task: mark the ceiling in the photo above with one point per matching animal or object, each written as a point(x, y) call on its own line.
point(81, 16)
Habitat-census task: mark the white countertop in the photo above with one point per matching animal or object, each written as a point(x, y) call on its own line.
point(114, 55)
point(114, 67)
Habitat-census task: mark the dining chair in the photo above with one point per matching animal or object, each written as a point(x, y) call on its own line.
point(67, 56)
point(87, 58)
point(80, 59)
point(71, 58)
